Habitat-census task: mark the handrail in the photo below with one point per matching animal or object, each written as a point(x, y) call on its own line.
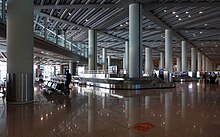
point(95, 72)
point(55, 38)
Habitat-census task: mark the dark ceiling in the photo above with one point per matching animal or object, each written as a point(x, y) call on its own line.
point(195, 21)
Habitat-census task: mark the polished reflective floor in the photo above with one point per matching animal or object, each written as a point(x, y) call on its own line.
point(189, 110)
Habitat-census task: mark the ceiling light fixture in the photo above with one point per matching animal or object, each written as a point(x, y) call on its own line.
point(187, 12)
point(164, 10)
point(177, 16)
point(189, 16)
point(174, 12)
point(180, 19)
point(200, 12)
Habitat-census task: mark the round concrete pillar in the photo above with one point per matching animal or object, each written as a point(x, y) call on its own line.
point(135, 40)
point(168, 51)
point(92, 55)
point(148, 61)
point(184, 56)
point(20, 44)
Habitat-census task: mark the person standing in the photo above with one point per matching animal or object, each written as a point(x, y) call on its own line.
point(67, 82)
point(41, 78)
point(205, 78)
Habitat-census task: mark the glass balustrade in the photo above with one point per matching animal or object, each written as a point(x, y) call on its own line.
point(52, 35)
point(68, 45)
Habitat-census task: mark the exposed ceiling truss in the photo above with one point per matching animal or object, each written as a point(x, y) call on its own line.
point(192, 21)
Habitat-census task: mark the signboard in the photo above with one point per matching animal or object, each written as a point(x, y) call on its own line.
point(112, 69)
point(80, 70)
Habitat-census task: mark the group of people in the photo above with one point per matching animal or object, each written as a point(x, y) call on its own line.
point(211, 78)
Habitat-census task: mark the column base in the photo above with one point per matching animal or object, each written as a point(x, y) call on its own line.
point(19, 88)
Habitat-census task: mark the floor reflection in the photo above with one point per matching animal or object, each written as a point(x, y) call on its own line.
point(189, 110)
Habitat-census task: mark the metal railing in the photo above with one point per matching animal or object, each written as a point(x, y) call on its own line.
point(50, 35)
point(95, 72)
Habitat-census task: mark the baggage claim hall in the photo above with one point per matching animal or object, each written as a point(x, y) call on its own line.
point(109, 68)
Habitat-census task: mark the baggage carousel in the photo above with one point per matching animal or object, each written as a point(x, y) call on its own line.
point(125, 83)
point(185, 79)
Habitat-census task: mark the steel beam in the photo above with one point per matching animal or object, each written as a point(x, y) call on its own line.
point(182, 4)
point(83, 28)
point(78, 6)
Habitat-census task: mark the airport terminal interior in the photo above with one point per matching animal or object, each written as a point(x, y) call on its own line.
point(109, 68)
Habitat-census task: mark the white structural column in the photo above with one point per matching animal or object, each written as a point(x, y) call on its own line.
point(54, 70)
point(126, 55)
point(109, 60)
point(124, 61)
point(193, 60)
point(203, 63)
point(213, 66)
point(168, 51)
point(178, 64)
point(71, 67)
point(135, 40)
point(104, 59)
point(92, 56)
point(210, 65)
point(189, 65)
point(199, 62)
point(20, 44)
point(161, 65)
point(61, 69)
point(184, 56)
point(207, 64)
point(148, 61)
